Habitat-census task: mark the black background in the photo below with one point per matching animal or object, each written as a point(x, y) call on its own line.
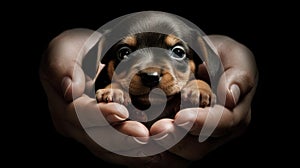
point(33, 139)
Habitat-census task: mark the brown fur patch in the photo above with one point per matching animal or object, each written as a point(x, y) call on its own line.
point(130, 40)
point(192, 66)
point(111, 68)
point(168, 85)
point(171, 40)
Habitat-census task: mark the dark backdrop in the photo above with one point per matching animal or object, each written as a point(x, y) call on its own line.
point(248, 23)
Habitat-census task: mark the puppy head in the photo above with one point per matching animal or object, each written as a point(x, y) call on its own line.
point(144, 61)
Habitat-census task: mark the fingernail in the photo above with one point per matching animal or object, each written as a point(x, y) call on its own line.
point(235, 91)
point(186, 118)
point(123, 110)
point(159, 137)
point(140, 140)
point(185, 124)
point(65, 85)
point(114, 118)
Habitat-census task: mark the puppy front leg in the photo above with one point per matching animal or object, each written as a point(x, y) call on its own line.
point(113, 93)
point(199, 93)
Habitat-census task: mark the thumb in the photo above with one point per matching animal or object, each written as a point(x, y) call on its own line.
point(73, 83)
point(61, 65)
point(62, 71)
point(234, 85)
point(240, 73)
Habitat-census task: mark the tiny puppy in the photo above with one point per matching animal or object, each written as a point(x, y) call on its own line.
point(153, 65)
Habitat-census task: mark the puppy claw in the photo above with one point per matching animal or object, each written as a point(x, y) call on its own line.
point(108, 99)
point(112, 95)
point(204, 100)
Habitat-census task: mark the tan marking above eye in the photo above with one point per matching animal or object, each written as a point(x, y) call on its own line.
point(130, 40)
point(171, 40)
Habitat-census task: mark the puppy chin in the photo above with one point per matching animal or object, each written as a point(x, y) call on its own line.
point(143, 102)
point(161, 107)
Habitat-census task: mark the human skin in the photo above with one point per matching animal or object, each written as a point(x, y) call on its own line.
point(67, 90)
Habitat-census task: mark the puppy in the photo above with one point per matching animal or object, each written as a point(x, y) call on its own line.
point(153, 69)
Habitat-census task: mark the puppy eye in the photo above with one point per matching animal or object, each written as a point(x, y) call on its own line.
point(178, 52)
point(124, 52)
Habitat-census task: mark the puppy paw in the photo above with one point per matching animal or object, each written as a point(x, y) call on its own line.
point(198, 93)
point(112, 95)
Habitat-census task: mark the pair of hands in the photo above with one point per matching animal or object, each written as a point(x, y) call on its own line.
point(65, 84)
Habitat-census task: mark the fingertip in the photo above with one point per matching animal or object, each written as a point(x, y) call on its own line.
point(231, 96)
point(233, 85)
point(123, 111)
point(141, 140)
point(114, 118)
point(162, 126)
point(186, 117)
point(166, 134)
point(135, 129)
point(116, 109)
point(191, 119)
point(229, 91)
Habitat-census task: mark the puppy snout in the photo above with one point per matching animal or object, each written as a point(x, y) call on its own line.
point(150, 79)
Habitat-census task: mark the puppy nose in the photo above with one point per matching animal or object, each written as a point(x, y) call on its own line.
point(150, 79)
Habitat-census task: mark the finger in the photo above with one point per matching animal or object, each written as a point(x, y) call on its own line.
point(84, 111)
point(233, 86)
point(125, 137)
point(165, 133)
point(92, 114)
point(217, 120)
point(214, 121)
point(240, 74)
point(73, 85)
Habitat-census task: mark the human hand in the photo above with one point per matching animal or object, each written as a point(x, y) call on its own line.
point(236, 89)
point(66, 83)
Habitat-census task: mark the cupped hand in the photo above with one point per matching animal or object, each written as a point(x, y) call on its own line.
point(236, 89)
point(79, 116)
